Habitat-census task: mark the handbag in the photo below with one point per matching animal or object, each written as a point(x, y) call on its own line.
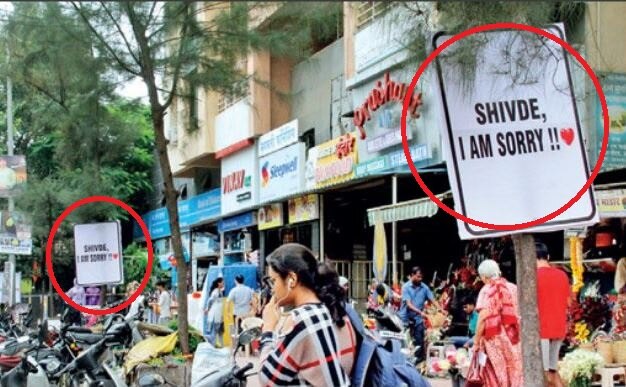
point(474, 373)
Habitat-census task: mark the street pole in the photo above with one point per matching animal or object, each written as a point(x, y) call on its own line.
point(394, 233)
point(526, 273)
point(11, 287)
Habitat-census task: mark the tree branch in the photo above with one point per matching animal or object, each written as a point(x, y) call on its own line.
point(178, 65)
point(119, 29)
point(47, 93)
point(110, 49)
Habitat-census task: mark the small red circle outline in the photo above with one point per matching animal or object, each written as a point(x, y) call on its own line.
point(491, 27)
point(53, 231)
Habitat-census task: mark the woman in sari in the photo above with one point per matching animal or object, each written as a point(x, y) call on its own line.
point(498, 329)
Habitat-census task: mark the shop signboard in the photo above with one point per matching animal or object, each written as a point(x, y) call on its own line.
point(190, 211)
point(98, 249)
point(278, 138)
point(392, 161)
point(15, 234)
point(270, 216)
point(237, 222)
point(378, 116)
point(240, 180)
point(303, 208)
point(12, 175)
point(332, 162)
point(614, 87)
point(516, 149)
point(611, 203)
point(282, 173)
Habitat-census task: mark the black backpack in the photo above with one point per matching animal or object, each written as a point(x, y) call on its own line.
point(380, 363)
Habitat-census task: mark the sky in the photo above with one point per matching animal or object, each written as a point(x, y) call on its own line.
point(132, 89)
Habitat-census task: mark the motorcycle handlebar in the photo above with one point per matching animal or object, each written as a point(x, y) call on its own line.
point(240, 373)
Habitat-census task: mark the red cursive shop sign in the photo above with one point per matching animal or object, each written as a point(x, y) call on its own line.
point(233, 181)
point(345, 146)
point(380, 95)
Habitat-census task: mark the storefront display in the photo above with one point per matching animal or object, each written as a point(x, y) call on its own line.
point(238, 236)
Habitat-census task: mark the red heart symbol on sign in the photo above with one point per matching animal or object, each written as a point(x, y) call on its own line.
point(567, 134)
point(114, 255)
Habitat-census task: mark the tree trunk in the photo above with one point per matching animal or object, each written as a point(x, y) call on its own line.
point(172, 210)
point(526, 261)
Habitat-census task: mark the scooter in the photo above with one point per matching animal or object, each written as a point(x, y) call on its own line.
point(224, 371)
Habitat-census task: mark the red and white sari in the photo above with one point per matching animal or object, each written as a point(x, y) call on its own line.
point(501, 334)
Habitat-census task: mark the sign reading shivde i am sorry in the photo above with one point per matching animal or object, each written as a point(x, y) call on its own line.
point(513, 136)
point(98, 250)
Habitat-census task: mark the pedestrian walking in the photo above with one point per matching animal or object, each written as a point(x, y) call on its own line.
point(241, 297)
point(214, 328)
point(316, 344)
point(498, 331)
point(415, 293)
point(164, 304)
point(133, 310)
point(553, 300)
point(77, 294)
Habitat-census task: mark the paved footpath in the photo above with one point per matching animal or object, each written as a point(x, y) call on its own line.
point(254, 382)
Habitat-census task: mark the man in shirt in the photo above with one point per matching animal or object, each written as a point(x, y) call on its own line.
point(553, 300)
point(414, 295)
point(165, 303)
point(241, 296)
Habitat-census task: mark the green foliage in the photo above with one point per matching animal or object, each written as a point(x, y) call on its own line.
point(135, 263)
point(79, 138)
point(195, 337)
point(457, 16)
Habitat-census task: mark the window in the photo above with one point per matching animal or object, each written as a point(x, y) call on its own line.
point(308, 138)
point(368, 11)
point(240, 90)
point(192, 101)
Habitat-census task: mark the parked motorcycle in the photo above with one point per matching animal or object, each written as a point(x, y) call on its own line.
point(224, 371)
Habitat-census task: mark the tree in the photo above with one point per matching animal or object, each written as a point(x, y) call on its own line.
point(79, 138)
point(167, 46)
point(455, 17)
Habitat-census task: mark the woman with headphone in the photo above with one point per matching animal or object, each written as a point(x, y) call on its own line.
point(316, 344)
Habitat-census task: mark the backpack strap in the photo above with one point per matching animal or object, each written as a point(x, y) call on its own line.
point(356, 321)
point(362, 362)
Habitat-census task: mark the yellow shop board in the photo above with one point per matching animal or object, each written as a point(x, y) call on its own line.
point(336, 160)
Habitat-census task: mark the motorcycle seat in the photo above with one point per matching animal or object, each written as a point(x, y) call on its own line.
point(77, 329)
point(87, 338)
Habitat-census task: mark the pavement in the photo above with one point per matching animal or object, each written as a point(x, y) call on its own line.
point(253, 380)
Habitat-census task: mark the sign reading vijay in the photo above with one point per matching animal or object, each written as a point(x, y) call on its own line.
point(514, 140)
point(98, 249)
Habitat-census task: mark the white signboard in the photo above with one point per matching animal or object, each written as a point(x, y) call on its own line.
point(513, 137)
point(239, 180)
point(282, 173)
point(98, 249)
point(278, 138)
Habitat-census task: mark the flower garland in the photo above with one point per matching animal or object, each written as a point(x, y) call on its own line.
point(575, 248)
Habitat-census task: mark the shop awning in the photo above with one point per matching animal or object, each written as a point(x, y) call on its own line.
point(411, 209)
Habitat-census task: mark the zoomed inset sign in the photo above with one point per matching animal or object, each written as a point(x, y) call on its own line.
point(512, 132)
point(98, 251)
